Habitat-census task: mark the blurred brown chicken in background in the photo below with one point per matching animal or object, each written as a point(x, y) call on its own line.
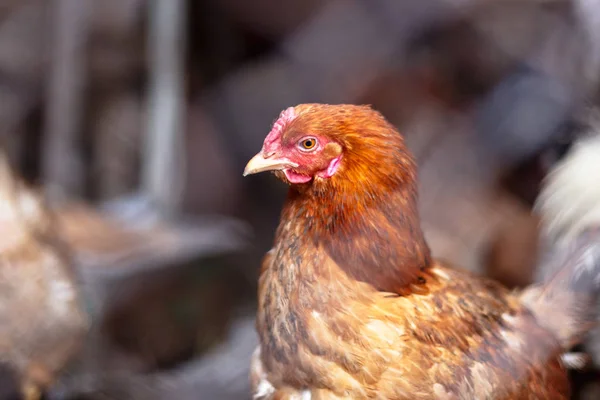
point(42, 315)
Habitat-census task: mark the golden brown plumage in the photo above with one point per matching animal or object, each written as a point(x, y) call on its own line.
point(351, 304)
point(42, 321)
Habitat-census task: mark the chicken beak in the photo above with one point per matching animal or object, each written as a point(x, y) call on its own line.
point(259, 163)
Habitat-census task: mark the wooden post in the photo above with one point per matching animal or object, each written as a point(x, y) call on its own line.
point(164, 163)
point(62, 165)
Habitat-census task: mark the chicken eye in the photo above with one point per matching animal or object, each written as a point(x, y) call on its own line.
point(308, 143)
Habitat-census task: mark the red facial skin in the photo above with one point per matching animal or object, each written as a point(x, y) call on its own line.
point(317, 161)
point(309, 161)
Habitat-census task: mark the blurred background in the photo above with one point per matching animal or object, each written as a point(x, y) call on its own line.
point(137, 118)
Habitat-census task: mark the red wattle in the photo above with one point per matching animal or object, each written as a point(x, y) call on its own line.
point(294, 177)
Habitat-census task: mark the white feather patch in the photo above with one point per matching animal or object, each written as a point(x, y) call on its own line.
point(305, 395)
point(569, 202)
point(574, 360)
point(263, 388)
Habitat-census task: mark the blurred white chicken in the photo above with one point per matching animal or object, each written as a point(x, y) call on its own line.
point(569, 206)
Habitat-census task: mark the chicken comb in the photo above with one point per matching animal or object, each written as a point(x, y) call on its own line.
point(286, 116)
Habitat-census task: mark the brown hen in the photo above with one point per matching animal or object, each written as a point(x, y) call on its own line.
point(351, 303)
point(42, 321)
